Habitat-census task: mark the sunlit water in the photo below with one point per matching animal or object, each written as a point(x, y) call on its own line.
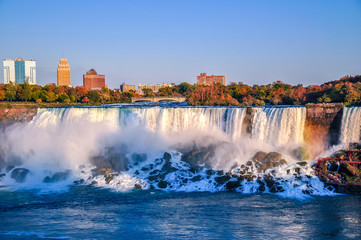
point(95, 213)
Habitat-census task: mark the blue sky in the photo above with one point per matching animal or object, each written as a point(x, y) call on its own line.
point(143, 41)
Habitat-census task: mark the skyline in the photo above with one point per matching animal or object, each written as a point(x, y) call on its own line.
point(154, 42)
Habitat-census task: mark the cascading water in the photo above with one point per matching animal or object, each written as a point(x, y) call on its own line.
point(177, 148)
point(279, 126)
point(351, 125)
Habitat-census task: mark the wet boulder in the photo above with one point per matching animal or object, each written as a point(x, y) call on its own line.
point(19, 174)
point(199, 156)
point(163, 184)
point(113, 158)
point(232, 185)
point(259, 156)
point(110, 177)
point(222, 179)
point(57, 177)
point(264, 161)
point(167, 156)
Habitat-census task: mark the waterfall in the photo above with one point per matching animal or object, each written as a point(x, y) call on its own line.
point(275, 125)
point(156, 119)
point(351, 125)
point(279, 125)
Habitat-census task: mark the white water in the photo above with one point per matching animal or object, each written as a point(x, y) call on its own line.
point(279, 126)
point(65, 138)
point(351, 125)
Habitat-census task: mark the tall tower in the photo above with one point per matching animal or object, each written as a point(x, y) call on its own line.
point(63, 73)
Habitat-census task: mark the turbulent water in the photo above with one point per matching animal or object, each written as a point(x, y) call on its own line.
point(136, 154)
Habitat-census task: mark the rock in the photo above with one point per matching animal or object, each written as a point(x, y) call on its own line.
point(137, 186)
point(2, 175)
point(156, 171)
point(196, 178)
point(167, 156)
point(282, 162)
point(232, 185)
point(81, 181)
point(349, 169)
point(274, 156)
point(144, 169)
point(222, 180)
point(94, 183)
point(57, 177)
point(109, 178)
point(167, 167)
point(61, 176)
point(302, 163)
point(101, 171)
point(19, 174)
point(297, 170)
point(163, 184)
point(210, 172)
point(259, 156)
point(262, 186)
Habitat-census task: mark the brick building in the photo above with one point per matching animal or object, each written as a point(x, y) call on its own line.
point(63, 73)
point(91, 80)
point(203, 79)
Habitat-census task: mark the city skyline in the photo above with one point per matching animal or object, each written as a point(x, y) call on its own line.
point(259, 42)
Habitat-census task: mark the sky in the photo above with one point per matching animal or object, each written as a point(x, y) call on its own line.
point(143, 41)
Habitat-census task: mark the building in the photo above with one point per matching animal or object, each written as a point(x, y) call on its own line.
point(63, 73)
point(19, 71)
point(91, 80)
point(203, 79)
point(154, 87)
point(126, 88)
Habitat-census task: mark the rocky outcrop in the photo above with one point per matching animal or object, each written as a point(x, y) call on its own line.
point(12, 113)
point(322, 127)
point(342, 171)
point(264, 161)
point(19, 174)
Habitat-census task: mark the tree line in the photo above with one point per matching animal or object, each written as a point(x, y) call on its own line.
point(346, 90)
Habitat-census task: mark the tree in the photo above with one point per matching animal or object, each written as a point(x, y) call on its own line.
point(148, 92)
point(25, 92)
point(94, 96)
point(85, 100)
point(10, 92)
point(2, 95)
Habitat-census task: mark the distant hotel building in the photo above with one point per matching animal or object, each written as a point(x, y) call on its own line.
point(91, 80)
point(19, 71)
point(63, 73)
point(203, 79)
point(126, 88)
point(154, 87)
